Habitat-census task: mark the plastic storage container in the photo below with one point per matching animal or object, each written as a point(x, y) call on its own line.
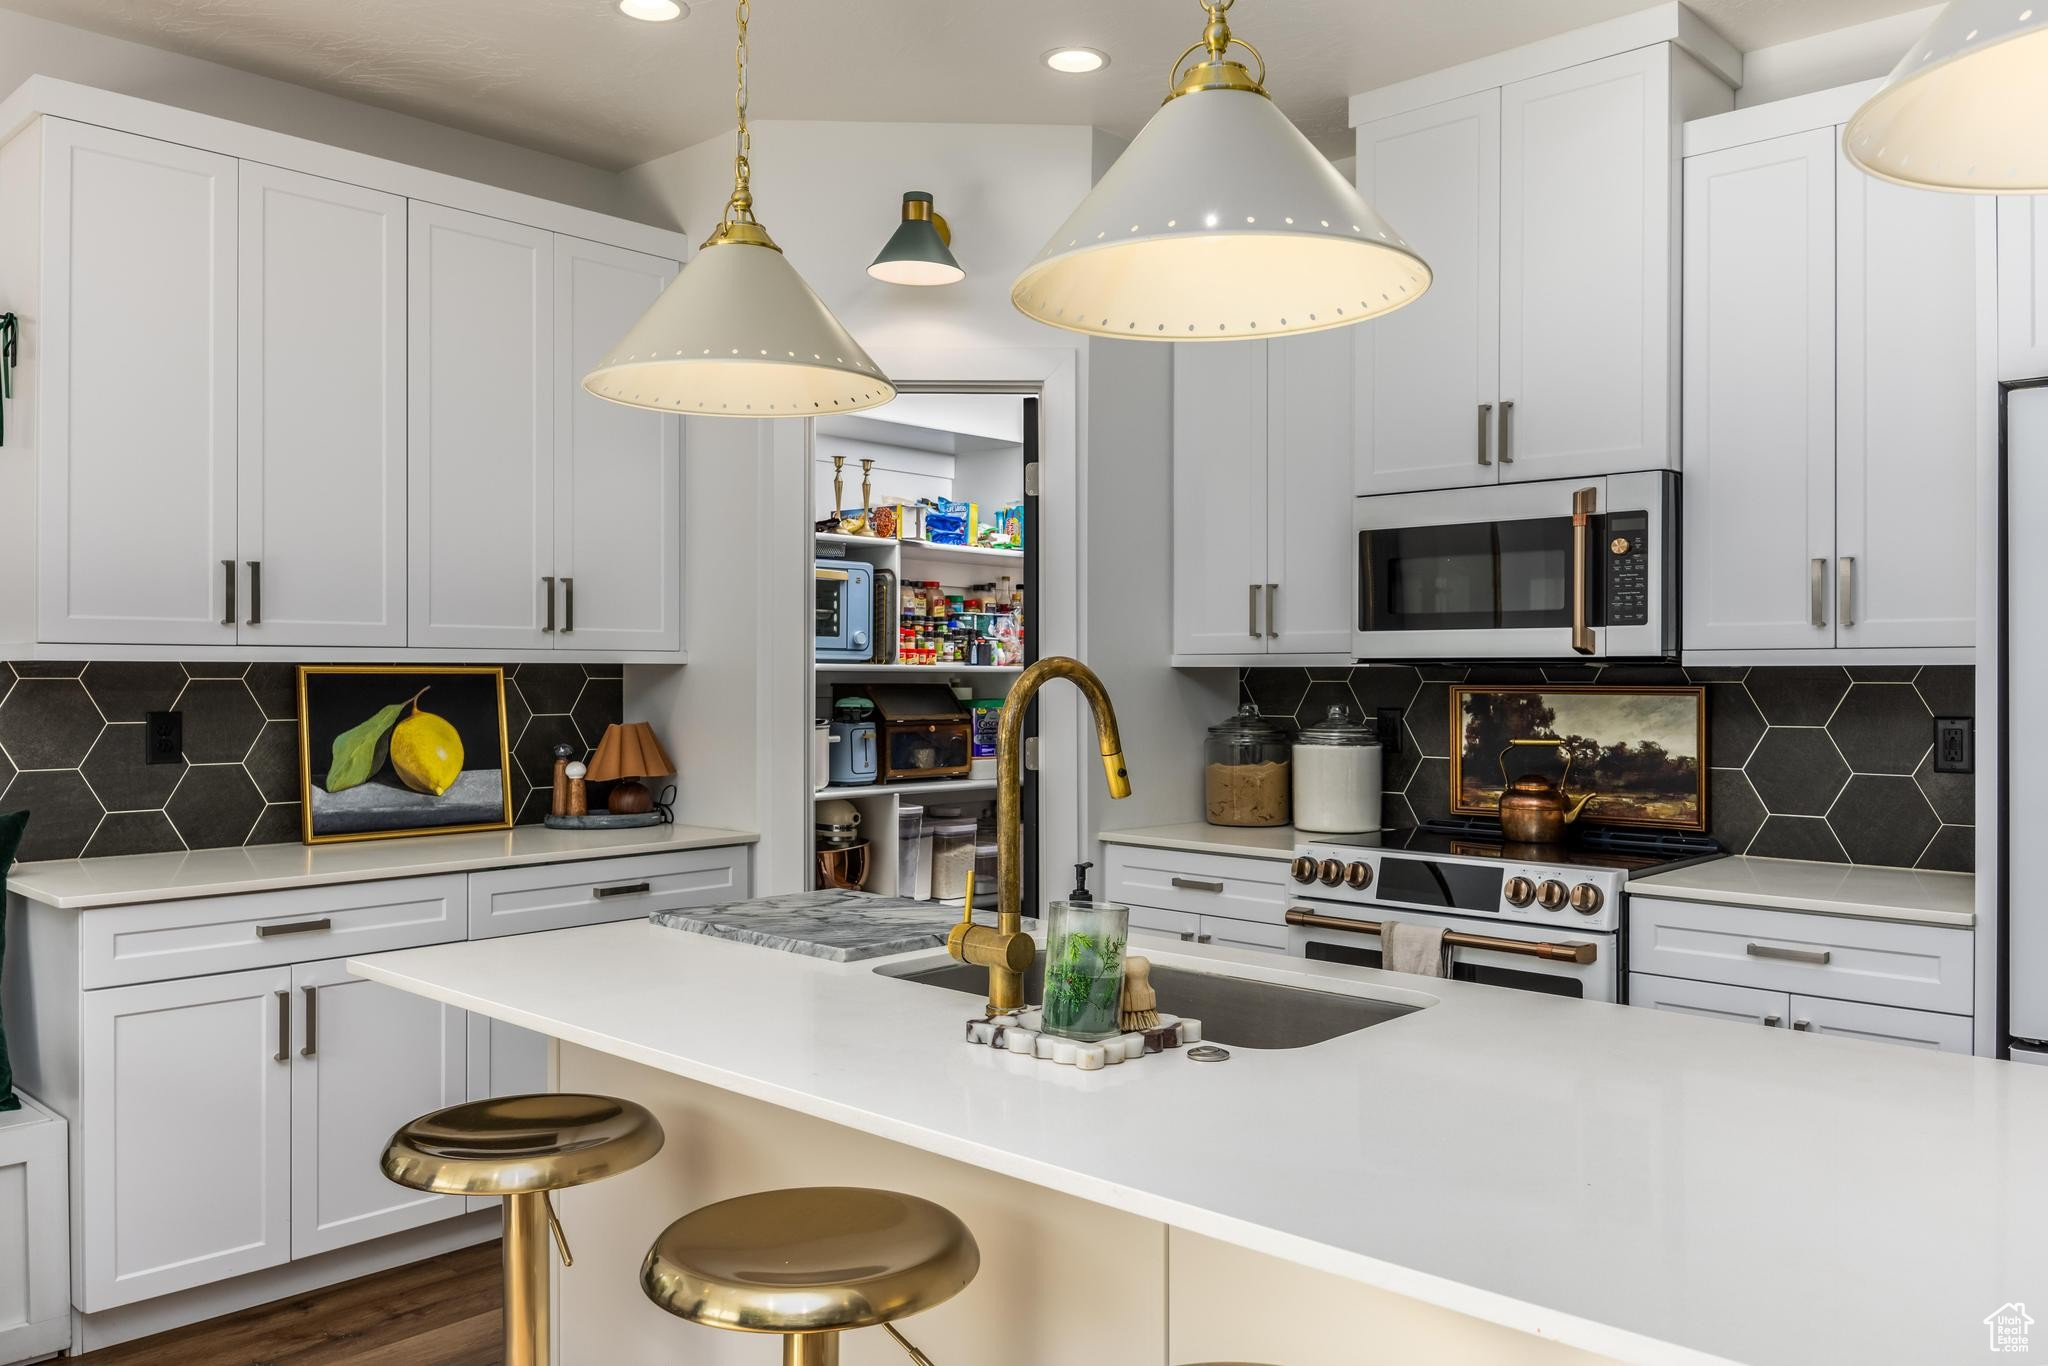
point(954, 848)
point(1248, 778)
point(1337, 776)
point(909, 841)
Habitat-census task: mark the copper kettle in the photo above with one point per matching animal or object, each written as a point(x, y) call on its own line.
point(1533, 809)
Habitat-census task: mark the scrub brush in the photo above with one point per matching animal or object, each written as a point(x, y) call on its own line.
point(1139, 1009)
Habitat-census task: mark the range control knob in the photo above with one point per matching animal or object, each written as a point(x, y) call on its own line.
point(1552, 895)
point(1358, 876)
point(1586, 899)
point(1521, 891)
point(1331, 872)
point(1303, 869)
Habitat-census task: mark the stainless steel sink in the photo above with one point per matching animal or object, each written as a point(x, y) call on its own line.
point(1233, 1010)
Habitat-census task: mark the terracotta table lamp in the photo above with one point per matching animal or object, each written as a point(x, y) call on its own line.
point(627, 753)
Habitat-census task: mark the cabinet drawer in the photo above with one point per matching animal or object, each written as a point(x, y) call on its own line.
point(1180, 923)
point(1922, 967)
point(1202, 884)
point(1882, 1024)
point(162, 940)
point(1709, 1000)
point(1243, 934)
point(558, 896)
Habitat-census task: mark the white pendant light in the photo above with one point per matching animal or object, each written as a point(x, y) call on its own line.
point(738, 333)
point(1967, 110)
point(1220, 222)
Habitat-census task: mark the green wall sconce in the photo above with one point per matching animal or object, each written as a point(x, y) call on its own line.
point(918, 252)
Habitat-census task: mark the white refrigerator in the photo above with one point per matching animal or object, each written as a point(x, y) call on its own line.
point(2023, 774)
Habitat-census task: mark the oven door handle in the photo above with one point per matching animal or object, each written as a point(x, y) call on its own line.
point(1556, 953)
point(1585, 503)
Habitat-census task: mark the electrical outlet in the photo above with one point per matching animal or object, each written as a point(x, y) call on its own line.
point(1389, 719)
point(163, 737)
point(1955, 744)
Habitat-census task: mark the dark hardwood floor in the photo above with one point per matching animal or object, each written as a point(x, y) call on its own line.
point(442, 1312)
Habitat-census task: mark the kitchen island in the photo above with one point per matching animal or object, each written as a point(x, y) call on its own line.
point(1497, 1176)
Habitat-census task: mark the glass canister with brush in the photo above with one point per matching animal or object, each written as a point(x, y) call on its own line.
point(1084, 964)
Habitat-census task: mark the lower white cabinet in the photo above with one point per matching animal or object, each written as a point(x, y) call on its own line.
point(1881, 1024)
point(1714, 1000)
point(35, 1258)
point(505, 1060)
point(1201, 898)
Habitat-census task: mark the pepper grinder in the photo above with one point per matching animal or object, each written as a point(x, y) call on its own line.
point(558, 802)
point(579, 795)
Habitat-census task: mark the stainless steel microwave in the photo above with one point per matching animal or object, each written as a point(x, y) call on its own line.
point(1561, 569)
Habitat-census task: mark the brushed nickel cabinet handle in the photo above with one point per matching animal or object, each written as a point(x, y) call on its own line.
point(1818, 957)
point(623, 889)
point(255, 592)
point(1773, 1021)
point(227, 571)
point(568, 606)
point(1187, 936)
point(1202, 939)
point(1817, 585)
point(548, 589)
point(1485, 446)
point(1804, 1026)
point(1507, 431)
point(1845, 592)
point(1252, 618)
point(284, 1028)
point(1197, 884)
point(1273, 611)
point(312, 1021)
point(325, 922)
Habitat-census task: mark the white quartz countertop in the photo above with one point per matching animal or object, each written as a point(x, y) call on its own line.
point(1199, 837)
point(1644, 1185)
point(1907, 894)
point(81, 884)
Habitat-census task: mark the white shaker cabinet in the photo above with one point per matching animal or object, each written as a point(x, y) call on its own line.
point(2022, 287)
point(322, 400)
point(481, 361)
point(366, 1059)
point(133, 419)
point(1263, 561)
point(185, 1094)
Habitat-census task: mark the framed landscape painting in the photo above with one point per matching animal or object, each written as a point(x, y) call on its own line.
point(1640, 752)
point(387, 751)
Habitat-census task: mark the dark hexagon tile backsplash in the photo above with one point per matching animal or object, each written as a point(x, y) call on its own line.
point(71, 738)
point(1813, 762)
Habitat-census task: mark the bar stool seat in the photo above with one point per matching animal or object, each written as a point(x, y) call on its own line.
point(810, 1263)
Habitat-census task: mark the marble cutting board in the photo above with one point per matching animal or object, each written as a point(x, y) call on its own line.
point(841, 926)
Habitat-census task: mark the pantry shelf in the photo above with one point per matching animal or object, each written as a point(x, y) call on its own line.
point(936, 788)
point(925, 670)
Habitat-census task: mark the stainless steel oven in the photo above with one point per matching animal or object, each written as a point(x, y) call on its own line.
point(1560, 569)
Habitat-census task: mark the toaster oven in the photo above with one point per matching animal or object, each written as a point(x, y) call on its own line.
point(845, 631)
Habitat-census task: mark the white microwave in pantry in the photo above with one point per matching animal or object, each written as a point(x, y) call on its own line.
point(1561, 569)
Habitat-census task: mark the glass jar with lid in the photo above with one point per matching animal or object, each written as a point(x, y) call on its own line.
point(1249, 772)
point(1337, 775)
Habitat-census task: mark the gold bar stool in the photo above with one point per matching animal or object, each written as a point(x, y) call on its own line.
point(810, 1264)
point(521, 1148)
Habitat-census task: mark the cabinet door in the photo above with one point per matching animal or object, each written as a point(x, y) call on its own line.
point(505, 1060)
point(1882, 1024)
point(1713, 1000)
point(136, 491)
point(618, 470)
point(322, 426)
point(2022, 287)
point(1585, 269)
point(186, 1140)
point(1759, 407)
point(1907, 397)
point(1429, 374)
point(1243, 934)
point(1219, 498)
point(481, 396)
point(1310, 558)
point(369, 1058)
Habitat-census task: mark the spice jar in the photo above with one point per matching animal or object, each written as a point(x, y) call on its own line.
point(1248, 774)
point(1337, 776)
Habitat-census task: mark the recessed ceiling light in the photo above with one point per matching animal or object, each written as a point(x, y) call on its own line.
point(653, 11)
point(1076, 61)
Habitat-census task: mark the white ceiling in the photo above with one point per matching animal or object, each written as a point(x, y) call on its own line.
point(576, 78)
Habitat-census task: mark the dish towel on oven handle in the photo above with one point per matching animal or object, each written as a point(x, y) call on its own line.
point(1419, 949)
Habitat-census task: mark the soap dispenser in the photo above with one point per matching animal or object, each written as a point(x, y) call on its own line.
point(1081, 896)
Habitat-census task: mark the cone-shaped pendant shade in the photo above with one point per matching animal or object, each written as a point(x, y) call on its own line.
point(739, 334)
point(1967, 110)
point(1220, 222)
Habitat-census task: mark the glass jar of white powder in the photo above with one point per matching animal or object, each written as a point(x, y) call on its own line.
point(1337, 776)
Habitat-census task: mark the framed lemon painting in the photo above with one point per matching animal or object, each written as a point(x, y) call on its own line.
point(387, 751)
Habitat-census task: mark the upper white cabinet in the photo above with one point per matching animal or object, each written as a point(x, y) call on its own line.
point(1831, 409)
point(322, 412)
point(2022, 287)
point(1546, 346)
point(132, 405)
point(1262, 509)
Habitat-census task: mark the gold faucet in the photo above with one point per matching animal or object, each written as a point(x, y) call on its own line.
point(1004, 949)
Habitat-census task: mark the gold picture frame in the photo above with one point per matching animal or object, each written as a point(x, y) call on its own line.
point(1658, 786)
point(476, 698)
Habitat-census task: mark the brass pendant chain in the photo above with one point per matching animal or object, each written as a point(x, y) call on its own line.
point(742, 206)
